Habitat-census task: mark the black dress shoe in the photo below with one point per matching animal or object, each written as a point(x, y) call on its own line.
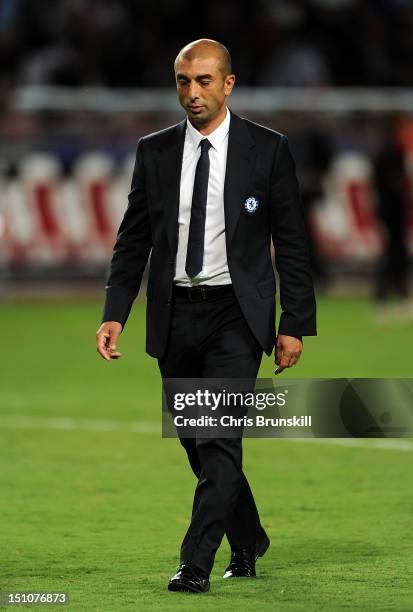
point(242, 562)
point(189, 579)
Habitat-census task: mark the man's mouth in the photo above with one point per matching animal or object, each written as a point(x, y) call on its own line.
point(195, 107)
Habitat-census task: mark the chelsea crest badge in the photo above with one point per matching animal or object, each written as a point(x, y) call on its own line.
point(251, 205)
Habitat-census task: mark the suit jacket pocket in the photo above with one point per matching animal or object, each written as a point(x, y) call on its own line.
point(266, 288)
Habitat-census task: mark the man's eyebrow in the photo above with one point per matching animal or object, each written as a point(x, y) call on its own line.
point(197, 78)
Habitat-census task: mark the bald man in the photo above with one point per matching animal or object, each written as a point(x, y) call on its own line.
point(207, 197)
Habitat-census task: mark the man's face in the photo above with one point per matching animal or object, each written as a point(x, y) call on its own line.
point(202, 88)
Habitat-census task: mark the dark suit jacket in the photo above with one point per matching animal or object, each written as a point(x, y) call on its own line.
point(259, 164)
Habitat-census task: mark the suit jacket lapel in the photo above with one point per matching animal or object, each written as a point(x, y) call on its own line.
point(241, 158)
point(240, 161)
point(169, 164)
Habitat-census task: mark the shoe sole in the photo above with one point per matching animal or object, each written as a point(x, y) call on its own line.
point(232, 576)
point(179, 587)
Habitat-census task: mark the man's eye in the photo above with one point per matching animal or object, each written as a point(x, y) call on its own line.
point(205, 82)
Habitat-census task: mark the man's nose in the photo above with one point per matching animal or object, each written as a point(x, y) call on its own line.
point(193, 90)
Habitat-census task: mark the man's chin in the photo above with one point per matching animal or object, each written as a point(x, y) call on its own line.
point(199, 118)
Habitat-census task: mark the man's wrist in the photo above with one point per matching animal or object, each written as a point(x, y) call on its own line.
point(300, 338)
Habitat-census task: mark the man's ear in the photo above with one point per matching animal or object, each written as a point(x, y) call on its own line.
point(229, 84)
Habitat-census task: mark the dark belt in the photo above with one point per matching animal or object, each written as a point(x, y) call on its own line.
point(202, 292)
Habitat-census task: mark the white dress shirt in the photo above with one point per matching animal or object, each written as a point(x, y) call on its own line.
point(215, 267)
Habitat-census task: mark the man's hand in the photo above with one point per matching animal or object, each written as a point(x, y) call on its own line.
point(106, 338)
point(287, 351)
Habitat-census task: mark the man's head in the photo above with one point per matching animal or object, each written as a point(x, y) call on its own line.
point(204, 80)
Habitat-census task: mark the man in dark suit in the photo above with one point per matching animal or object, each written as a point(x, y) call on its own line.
point(207, 196)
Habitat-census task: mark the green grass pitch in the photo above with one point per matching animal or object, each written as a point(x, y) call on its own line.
point(95, 508)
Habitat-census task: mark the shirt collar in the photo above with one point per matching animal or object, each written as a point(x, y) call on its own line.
point(216, 138)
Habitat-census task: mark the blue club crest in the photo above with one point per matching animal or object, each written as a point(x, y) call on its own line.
point(251, 205)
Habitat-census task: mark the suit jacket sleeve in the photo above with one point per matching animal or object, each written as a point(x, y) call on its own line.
point(131, 250)
point(298, 317)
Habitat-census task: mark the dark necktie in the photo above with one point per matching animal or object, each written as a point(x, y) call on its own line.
point(195, 249)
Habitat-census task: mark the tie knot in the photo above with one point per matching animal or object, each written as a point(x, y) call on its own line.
point(205, 145)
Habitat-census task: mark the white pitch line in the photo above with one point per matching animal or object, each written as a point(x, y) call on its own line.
point(381, 443)
point(28, 422)
point(68, 423)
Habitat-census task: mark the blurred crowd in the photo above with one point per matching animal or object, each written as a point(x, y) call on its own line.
point(64, 176)
point(125, 43)
point(64, 185)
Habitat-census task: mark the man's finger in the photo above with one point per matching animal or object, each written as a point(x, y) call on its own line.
point(111, 345)
point(114, 354)
point(293, 360)
point(285, 359)
point(282, 358)
point(101, 345)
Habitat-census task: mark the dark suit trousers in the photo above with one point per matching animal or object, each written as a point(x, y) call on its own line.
point(211, 339)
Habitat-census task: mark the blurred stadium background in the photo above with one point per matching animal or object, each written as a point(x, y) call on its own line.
point(84, 473)
point(82, 81)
